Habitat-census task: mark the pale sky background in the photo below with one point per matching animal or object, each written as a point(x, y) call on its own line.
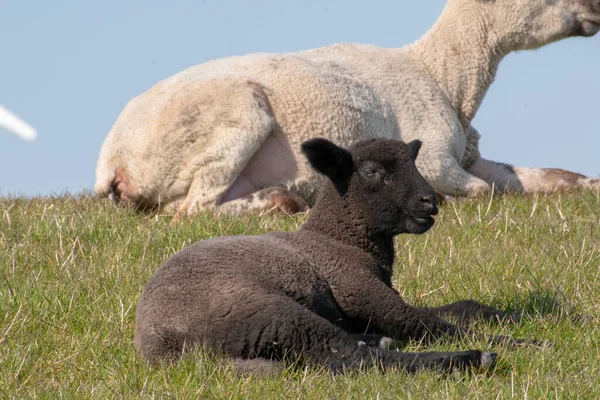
point(68, 67)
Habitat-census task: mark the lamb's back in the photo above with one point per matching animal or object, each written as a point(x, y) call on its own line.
point(203, 274)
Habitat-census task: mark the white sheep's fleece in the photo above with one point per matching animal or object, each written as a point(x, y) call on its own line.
point(212, 135)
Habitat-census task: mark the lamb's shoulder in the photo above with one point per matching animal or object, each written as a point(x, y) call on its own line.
point(343, 272)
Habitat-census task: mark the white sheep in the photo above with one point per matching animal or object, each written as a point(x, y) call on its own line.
point(226, 134)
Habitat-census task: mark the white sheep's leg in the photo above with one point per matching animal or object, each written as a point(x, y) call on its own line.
point(216, 176)
point(220, 163)
point(506, 177)
point(266, 200)
point(446, 175)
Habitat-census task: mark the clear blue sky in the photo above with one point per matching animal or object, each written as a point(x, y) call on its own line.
point(69, 67)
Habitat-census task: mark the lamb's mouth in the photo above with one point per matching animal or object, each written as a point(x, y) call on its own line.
point(428, 220)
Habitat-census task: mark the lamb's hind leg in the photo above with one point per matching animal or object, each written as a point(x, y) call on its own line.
point(301, 334)
point(529, 180)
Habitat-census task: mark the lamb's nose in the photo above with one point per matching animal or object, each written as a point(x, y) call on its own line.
point(430, 200)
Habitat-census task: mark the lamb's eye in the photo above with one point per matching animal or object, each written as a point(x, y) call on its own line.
point(372, 172)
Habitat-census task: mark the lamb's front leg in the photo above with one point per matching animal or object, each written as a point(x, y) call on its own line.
point(381, 310)
point(378, 308)
point(466, 311)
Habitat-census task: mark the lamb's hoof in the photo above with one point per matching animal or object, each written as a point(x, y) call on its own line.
point(386, 343)
point(478, 359)
point(487, 359)
point(513, 318)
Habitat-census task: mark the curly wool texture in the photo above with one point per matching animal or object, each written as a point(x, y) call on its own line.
point(214, 134)
point(322, 294)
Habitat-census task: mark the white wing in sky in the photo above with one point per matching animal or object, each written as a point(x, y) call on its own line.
point(11, 122)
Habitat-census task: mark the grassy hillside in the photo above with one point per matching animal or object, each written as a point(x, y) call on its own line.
point(72, 270)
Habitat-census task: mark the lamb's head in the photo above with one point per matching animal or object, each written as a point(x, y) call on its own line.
point(529, 24)
point(376, 179)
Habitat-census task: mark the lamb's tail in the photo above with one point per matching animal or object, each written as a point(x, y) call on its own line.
point(506, 177)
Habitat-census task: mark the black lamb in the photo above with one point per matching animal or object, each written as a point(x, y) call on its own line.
point(322, 295)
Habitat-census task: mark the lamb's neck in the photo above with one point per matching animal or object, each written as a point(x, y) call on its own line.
point(462, 54)
point(346, 224)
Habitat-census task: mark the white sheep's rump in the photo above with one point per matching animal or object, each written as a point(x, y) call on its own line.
point(505, 177)
point(186, 163)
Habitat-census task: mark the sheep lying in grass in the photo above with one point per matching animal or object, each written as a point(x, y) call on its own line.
point(322, 294)
point(226, 134)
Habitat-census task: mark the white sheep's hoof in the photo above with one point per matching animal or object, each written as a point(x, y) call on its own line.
point(478, 188)
point(589, 183)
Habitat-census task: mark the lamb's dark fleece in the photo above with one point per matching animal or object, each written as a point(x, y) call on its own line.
point(322, 294)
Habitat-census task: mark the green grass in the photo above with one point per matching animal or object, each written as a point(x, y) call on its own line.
point(72, 270)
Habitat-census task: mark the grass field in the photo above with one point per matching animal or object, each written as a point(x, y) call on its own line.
point(72, 270)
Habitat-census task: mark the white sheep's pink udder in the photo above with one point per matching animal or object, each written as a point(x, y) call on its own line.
point(273, 164)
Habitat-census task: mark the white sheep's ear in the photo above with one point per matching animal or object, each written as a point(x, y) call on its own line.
point(413, 148)
point(328, 159)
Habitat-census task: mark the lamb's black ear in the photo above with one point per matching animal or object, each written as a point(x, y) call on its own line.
point(328, 159)
point(413, 148)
